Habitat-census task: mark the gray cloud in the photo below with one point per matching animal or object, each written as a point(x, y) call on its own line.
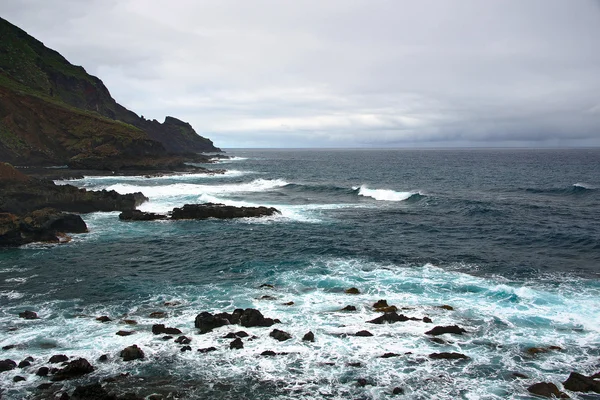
point(342, 72)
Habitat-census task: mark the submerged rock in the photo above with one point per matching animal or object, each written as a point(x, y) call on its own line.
point(352, 290)
point(220, 211)
point(440, 330)
point(207, 349)
point(124, 333)
point(547, 389)
point(18, 378)
point(349, 308)
point(158, 314)
point(183, 340)
point(363, 333)
point(103, 318)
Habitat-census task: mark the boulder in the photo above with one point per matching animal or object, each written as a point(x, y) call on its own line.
point(352, 290)
point(440, 330)
point(220, 211)
point(160, 329)
point(7, 365)
point(252, 317)
point(132, 353)
point(446, 307)
point(289, 303)
point(58, 358)
point(18, 378)
point(24, 363)
point(136, 215)
point(28, 315)
point(581, 383)
point(349, 308)
point(124, 333)
point(206, 322)
point(268, 353)
point(186, 348)
point(158, 314)
point(390, 355)
point(74, 369)
point(236, 344)
point(547, 389)
point(43, 371)
point(103, 318)
point(363, 333)
point(397, 391)
point(309, 337)
point(390, 318)
point(427, 320)
point(280, 335)
point(447, 356)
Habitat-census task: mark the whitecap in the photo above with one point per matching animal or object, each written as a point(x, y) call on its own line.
point(383, 194)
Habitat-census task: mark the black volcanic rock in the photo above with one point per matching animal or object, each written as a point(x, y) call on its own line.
point(440, 330)
point(308, 337)
point(74, 369)
point(206, 322)
point(280, 335)
point(581, 383)
point(132, 353)
point(7, 365)
point(447, 356)
point(28, 315)
point(390, 318)
point(160, 329)
point(547, 389)
point(220, 211)
point(136, 215)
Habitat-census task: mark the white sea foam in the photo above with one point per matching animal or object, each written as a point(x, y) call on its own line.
point(502, 319)
point(584, 185)
point(383, 194)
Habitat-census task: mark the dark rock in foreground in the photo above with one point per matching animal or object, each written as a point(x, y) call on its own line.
point(581, 383)
point(547, 389)
point(74, 369)
point(7, 365)
point(220, 211)
point(132, 353)
point(236, 344)
point(440, 330)
point(94, 391)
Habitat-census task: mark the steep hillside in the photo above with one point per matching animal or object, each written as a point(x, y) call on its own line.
point(52, 111)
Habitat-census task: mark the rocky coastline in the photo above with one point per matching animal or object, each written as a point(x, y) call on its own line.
point(60, 368)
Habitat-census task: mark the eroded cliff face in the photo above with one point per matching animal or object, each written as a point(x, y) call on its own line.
point(52, 111)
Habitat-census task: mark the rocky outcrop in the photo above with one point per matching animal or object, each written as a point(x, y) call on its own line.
point(136, 215)
point(52, 112)
point(74, 369)
point(46, 225)
point(248, 318)
point(26, 195)
point(220, 211)
point(280, 335)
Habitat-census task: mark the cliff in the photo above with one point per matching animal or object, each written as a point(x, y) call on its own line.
point(52, 112)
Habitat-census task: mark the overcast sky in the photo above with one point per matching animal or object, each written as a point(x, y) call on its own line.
point(341, 73)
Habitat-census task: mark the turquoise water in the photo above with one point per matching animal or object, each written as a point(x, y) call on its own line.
point(509, 238)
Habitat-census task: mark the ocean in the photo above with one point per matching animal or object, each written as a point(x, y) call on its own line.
point(507, 239)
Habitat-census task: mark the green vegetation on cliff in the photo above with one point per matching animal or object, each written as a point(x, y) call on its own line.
point(52, 112)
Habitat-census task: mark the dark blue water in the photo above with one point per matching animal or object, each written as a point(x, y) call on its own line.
point(509, 238)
